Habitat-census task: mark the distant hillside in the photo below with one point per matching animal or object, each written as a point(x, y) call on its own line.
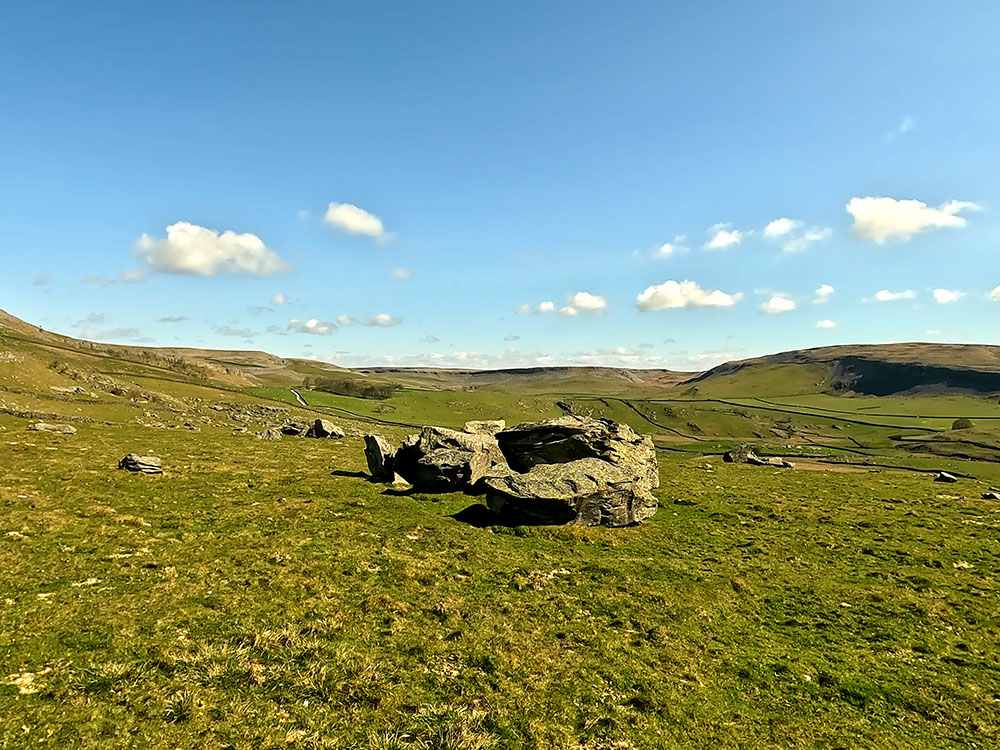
point(875, 370)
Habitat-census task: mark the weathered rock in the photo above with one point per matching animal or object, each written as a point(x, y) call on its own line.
point(268, 434)
point(944, 476)
point(380, 455)
point(145, 464)
point(485, 426)
point(324, 428)
point(294, 429)
point(570, 438)
point(990, 496)
point(439, 459)
point(59, 429)
point(586, 491)
point(741, 454)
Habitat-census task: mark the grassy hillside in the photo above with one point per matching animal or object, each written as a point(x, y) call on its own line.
point(264, 594)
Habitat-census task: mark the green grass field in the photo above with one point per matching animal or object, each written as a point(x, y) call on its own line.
point(265, 594)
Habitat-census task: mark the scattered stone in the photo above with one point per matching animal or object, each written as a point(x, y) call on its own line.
point(323, 428)
point(586, 492)
point(380, 454)
point(990, 496)
point(944, 476)
point(439, 459)
point(144, 464)
point(570, 438)
point(743, 454)
point(295, 429)
point(268, 434)
point(59, 429)
point(485, 426)
point(67, 389)
point(240, 430)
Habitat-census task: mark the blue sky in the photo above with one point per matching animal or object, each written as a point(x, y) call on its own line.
point(477, 184)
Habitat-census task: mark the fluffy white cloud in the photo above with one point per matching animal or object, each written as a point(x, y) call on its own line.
point(547, 307)
point(585, 301)
point(345, 320)
point(884, 295)
point(826, 324)
point(314, 327)
point(995, 294)
point(822, 294)
point(382, 321)
point(669, 249)
point(779, 303)
point(191, 249)
point(883, 219)
point(721, 237)
point(674, 294)
point(279, 299)
point(947, 296)
point(349, 218)
point(401, 273)
point(781, 227)
point(568, 310)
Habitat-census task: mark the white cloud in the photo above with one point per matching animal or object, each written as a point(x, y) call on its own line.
point(779, 303)
point(947, 296)
point(314, 327)
point(669, 249)
point(382, 321)
point(349, 218)
point(781, 227)
point(191, 249)
point(884, 295)
point(883, 219)
point(523, 309)
point(345, 320)
point(722, 237)
point(995, 294)
point(826, 324)
point(905, 126)
point(130, 276)
point(822, 294)
point(401, 273)
point(279, 299)
point(793, 235)
point(568, 310)
point(429, 339)
point(673, 294)
point(587, 302)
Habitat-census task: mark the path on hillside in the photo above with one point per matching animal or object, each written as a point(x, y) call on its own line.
point(297, 396)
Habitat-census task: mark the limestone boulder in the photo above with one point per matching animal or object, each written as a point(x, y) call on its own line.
point(58, 429)
point(585, 491)
point(439, 459)
point(143, 464)
point(324, 428)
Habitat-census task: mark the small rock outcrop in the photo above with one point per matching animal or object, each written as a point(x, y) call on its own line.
point(59, 429)
point(944, 476)
point(294, 429)
point(585, 492)
point(485, 426)
point(144, 464)
point(439, 459)
point(380, 455)
point(324, 428)
point(744, 455)
point(268, 435)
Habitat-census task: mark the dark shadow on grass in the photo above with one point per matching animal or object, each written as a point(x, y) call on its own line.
point(354, 475)
point(478, 515)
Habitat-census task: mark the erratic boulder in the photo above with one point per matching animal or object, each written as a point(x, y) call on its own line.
point(144, 464)
point(585, 492)
point(59, 429)
point(324, 428)
point(439, 459)
point(571, 438)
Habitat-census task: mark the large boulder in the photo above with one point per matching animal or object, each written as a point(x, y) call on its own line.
point(268, 434)
point(585, 491)
point(295, 429)
point(571, 438)
point(380, 455)
point(144, 464)
point(59, 429)
point(324, 428)
point(439, 459)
